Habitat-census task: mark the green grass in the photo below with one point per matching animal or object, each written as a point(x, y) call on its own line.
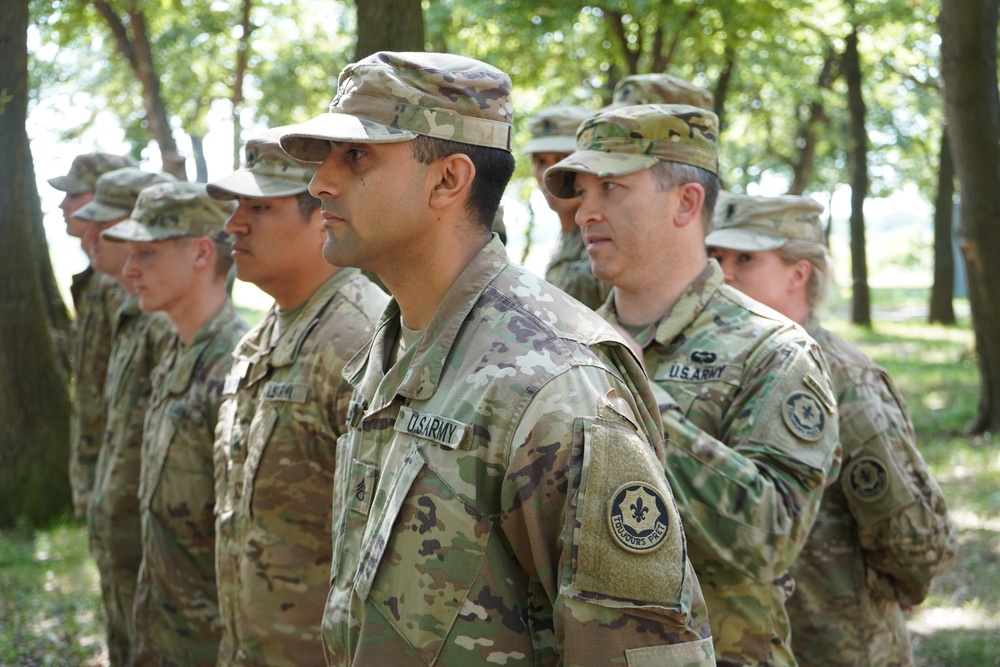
point(50, 611)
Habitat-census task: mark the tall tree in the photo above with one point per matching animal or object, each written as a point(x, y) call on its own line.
point(972, 105)
point(861, 300)
point(943, 288)
point(34, 402)
point(389, 25)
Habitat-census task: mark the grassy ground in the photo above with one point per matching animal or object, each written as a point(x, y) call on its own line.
point(50, 610)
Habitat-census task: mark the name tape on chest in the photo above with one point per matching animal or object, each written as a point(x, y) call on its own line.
point(293, 392)
point(446, 432)
point(637, 517)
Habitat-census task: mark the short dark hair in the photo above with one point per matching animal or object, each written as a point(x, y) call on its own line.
point(307, 204)
point(672, 174)
point(494, 167)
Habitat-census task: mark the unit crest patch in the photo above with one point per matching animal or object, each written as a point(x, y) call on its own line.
point(637, 517)
point(803, 414)
point(867, 479)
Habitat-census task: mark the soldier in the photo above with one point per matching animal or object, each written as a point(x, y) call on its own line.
point(882, 532)
point(753, 382)
point(96, 299)
point(179, 262)
point(553, 137)
point(500, 494)
point(285, 406)
point(660, 89)
point(139, 340)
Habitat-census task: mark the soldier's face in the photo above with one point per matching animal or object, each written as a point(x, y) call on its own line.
point(106, 256)
point(761, 275)
point(272, 243)
point(375, 199)
point(625, 226)
point(539, 163)
point(70, 203)
point(162, 272)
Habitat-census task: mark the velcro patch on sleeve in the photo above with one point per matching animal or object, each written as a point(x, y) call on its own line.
point(804, 415)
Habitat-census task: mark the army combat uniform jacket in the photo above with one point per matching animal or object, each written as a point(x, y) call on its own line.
point(569, 270)
point(747, 487)
point(97, 298)
point(176, 608)
point(500, 496)
point(285, 404)
point(140, 339)
point(882, 531)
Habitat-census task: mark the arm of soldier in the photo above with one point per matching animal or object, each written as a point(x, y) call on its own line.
point(903, 524)
point(750, 498)
point(590, 517)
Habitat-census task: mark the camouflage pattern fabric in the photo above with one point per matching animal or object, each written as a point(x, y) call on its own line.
point(500, 496)
point(391, 97)
point(176, 609)
point(748, 487)
point(569, 270)
point(755, 224)
point(86, 169)
point(882, 533)
point(627, 139)
point(285, 404)
point(553, 130)
point(140, 339)
point(96, 298)
point(661, 89)
point(171, 210)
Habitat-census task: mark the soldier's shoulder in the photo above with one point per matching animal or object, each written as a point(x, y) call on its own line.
point(360, 295)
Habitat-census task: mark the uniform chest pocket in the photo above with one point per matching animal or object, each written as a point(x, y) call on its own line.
point(120, 369)
point(700, 389)
point(421, 559)
point(155, 457)
point(261, 429)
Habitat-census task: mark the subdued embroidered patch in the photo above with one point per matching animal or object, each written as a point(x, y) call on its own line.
point(637, 517)
point(804, 416)
point(868, 479)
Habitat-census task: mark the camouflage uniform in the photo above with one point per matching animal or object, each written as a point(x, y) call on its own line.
point(113, 516)
point(285, 405)
point(882, 532)
point(754, 383)
point(473, 488)
point(97, 298)
point(139, 341)
point(569, 270)
point(499, 496)
point(176, 614)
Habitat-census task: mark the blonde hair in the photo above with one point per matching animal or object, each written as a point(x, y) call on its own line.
point(819, 278)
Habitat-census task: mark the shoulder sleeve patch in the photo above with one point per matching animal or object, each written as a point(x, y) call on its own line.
point(867, 479)
point(637, 517)
point(804, 415)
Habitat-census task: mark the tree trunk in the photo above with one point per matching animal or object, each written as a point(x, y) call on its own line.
point(941, 310)
point(242, 56)
point(34, 402)
point(389, 25)
point(808, 135)
point(133, 43)
point(200, 164)
point(722, 85)
point(861, 302)
point(972, 106)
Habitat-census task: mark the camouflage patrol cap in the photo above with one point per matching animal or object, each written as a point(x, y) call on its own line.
point(753, 224)
point(391, 97)
point(661, 89)
point(623, 140)
point(553, 130)
point(169, 210)
point(116, 193)
point(86, 169)
point(267, 171)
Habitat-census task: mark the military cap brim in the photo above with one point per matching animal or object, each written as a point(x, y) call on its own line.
point(559, 177)
point(550, 145)
point(245, 183)
point(130, 230)
point(744, 240)
point(94, 211)
point(70, 185)
point(309, 142)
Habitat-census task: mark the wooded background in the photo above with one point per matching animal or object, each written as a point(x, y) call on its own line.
point(818, 94)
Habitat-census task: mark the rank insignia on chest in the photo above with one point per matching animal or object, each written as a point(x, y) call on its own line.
point(804, 415)
point(867, 479)
point(637, 517)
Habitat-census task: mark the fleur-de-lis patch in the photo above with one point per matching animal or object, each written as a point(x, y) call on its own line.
point(637, 517)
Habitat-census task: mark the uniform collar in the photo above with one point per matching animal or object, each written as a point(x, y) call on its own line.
point(184, 364)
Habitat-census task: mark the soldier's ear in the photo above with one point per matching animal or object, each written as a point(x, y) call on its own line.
point(801, 271)
point(451, 179)
point(691, 199)
point(203, 249)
